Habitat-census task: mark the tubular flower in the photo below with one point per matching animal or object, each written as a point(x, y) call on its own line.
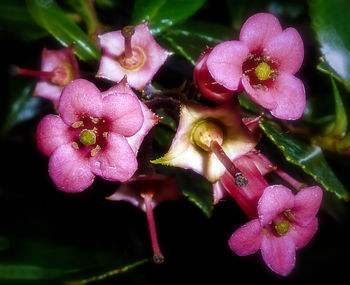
point(285, 223)
point(146, 192)
point(263, 62)
point(132, 52)
point(89, 136)
point(208, 139)
point(58, 68)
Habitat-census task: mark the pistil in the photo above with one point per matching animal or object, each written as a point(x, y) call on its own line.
point(158, 257)
point(127, 33)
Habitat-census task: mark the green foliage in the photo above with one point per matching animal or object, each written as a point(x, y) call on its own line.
point(310, 158)
point(162, 14)
point(330, 20)
point(53, 19)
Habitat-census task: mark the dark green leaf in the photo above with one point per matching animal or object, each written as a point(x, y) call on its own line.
point(87, 14)
point(310, 158)
point(21, 106)
point(248, 104)
point(330, 20)
point(53, 19)
point(197, 189)
point(162, 14)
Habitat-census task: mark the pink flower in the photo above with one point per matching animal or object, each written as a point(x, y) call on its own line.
point(89, 136)
point(285, 223)
point(132, 52)
point(146, 192)
point(58, 68)
point(263, 62)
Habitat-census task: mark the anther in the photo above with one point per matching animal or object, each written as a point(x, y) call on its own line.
point(95, 150)
point(77, 124)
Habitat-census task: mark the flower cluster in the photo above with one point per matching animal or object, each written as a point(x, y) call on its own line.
point(100, 133)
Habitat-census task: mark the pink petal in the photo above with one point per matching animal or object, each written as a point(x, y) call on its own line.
point(278, 253)
point(206, 83)
point(289, 94)
point(48, 91)
point(225, 63)
point(150, 120)
point(258, 30)
point(116, 161)
point(247, 239)
point(80, 97)
point(219, 192)
point(50, 59)
point(303, 235)
point(112, 43)
point(259, 96)
point(123, 112)
point(52, 132)
point(70, 170)
point(274, 201)
point(287, 49)
point(307, 203)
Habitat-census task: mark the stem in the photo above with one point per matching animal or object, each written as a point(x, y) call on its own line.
point(127, 33)
point(240, 180)
point(157, 254)
point(42, 74)
point(297, 185)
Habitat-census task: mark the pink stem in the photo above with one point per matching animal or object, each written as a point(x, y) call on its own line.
point(240, 180)
point(41, 74)
point(297, 185)
point(157, 254)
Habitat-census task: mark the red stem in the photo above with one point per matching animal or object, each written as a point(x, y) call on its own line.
point(157, 254)
point(36, 73)
point(240, 180)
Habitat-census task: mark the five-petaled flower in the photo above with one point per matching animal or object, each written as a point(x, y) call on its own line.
point(198, 128)
point(285, 223)
point(58, 68)
point(131, 52)
point(263, 62)
point(89, 136)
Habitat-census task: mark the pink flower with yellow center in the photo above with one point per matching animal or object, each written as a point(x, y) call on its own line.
point(263, 63)
point(58, 68)
point(131, 52)
point(285, 223)
point(90, 135)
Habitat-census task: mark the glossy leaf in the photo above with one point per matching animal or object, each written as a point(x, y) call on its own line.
point(197, 189)
point(310, 158)
point(330, 20)
point(52, 18)
point(162, 14)
point(21, 106)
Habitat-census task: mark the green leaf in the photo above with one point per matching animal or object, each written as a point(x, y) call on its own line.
point(197, 189)
point(247, 103)
point(162, 14)
point(52, 18)
point(330, 20)
point(340, 124)
point(309, 158)
point(21, 106)
point(84, 10)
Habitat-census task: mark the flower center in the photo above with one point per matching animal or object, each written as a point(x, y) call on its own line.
point(93, 134)
point(282, 227)
point(206, 132)
point(87, 137)
point(263, 71)
point(260, 71)
point(63, 74)
point(133, 62)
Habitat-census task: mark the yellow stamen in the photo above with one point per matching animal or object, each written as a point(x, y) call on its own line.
point(282, 228)
point(87, 137)
point(205, 132)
